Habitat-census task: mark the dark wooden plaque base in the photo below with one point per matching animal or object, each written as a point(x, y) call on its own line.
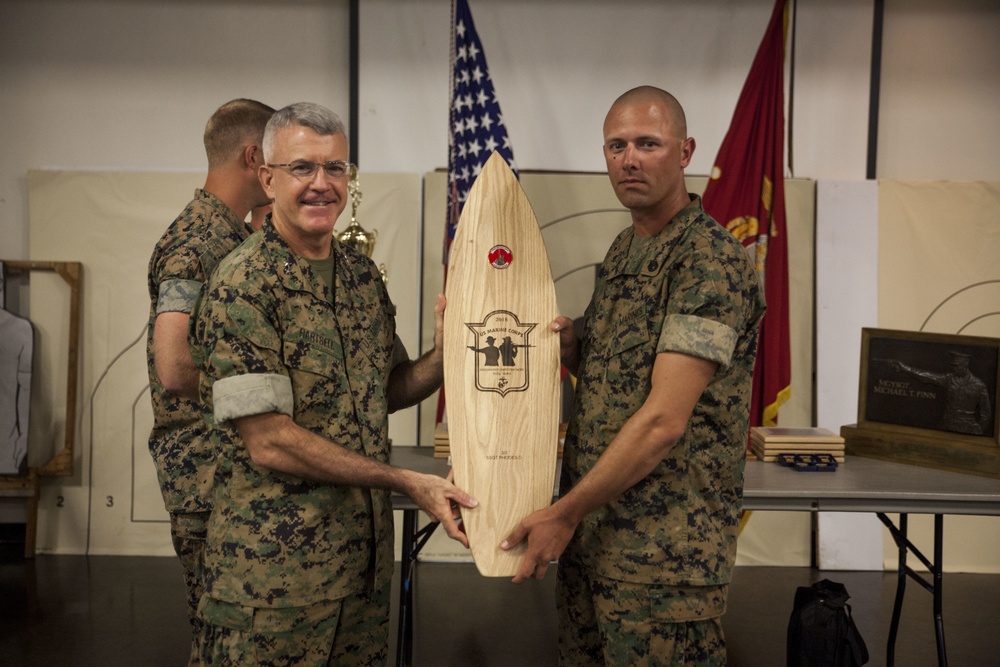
point(930, 451)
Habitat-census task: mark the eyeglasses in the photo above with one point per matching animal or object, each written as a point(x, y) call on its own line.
point(335, 169)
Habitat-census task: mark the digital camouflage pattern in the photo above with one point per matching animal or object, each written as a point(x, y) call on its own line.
point(238, 635)
point(182, 260)
point(690, 289)
point(187, 531)
point(185, 256)
point(640, 625)
point(269, 329)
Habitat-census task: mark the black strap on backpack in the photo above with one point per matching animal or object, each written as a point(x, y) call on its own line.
point(821, 631)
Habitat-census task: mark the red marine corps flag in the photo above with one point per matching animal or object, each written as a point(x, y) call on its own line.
point(475, 124)
point(746, 194)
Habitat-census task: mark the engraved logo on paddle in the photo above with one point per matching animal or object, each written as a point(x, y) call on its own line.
point(500, 257)
point(501, 351)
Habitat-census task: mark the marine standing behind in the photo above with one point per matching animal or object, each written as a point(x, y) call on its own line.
point(206, 231)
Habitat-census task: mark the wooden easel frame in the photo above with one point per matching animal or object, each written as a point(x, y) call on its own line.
point(61, 464)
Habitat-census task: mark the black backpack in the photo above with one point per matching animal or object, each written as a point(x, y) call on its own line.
point(821, 632)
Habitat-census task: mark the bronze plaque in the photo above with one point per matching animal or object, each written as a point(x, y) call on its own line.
point(928, 399)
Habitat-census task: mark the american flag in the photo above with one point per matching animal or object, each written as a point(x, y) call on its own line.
point(476, 127)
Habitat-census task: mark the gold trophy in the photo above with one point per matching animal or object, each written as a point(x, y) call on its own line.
point(355, 235)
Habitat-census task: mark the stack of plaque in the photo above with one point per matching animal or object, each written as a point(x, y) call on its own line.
point(768, 443)
point(442, 449)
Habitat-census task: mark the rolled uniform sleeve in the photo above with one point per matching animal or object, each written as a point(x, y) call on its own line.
point(177, 295)
point(698, 337)
point(245, 395)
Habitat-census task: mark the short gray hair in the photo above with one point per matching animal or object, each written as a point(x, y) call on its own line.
point(316, 117)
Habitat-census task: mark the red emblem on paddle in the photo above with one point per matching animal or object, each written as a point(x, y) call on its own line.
point(500, 256)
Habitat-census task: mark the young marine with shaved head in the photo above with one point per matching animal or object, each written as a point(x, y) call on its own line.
point(652, 478)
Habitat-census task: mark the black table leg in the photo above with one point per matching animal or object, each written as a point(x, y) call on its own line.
point(404, 627)
point(934, 587)
point(897, 606)
point(413, 541)
point(938, 579)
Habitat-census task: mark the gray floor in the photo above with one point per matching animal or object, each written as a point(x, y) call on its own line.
point(109, 611)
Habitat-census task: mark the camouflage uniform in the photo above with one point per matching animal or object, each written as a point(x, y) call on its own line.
point(692, 289)
point(205, 232)
point(271, 336)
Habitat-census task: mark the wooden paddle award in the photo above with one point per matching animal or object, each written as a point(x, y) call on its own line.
point(501, 365)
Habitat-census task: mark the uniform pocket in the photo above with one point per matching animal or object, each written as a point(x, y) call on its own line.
point(674, 604)
point(311, 353)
